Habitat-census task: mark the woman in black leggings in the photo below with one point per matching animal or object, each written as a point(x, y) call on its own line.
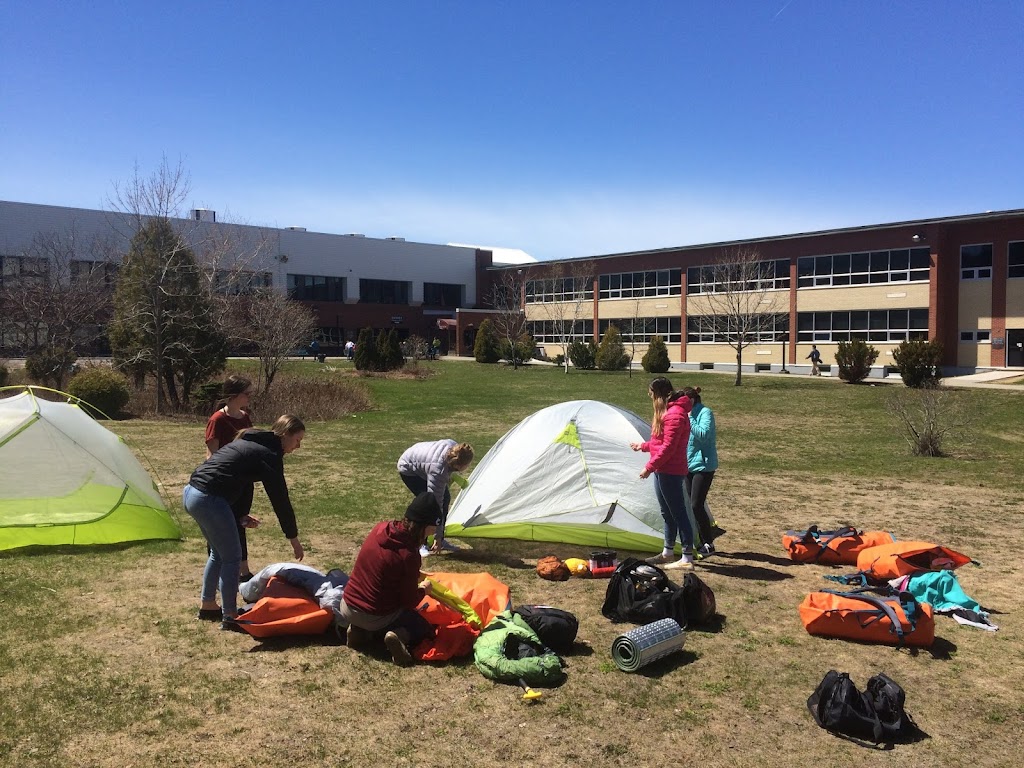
point(702, 461)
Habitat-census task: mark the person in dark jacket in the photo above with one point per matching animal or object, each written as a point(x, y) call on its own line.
point(217, 484)
point(384, 587)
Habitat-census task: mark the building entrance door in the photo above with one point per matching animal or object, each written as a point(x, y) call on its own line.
point(1015, 347)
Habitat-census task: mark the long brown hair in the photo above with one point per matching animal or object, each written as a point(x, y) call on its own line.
point(287, 424)
point(460, 455)
point(661, 390)
point(233, 386)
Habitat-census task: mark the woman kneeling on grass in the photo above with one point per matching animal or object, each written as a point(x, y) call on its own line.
point(217, 483)
point(384, 587)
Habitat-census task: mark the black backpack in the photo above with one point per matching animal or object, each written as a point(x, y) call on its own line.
point(641, 593)
point(556, 628)
point(876, 716)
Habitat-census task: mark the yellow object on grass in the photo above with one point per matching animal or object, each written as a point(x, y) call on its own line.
point(578, 566)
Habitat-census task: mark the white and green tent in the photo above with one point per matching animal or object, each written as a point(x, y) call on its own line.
point(564, 474)
point(65, 479)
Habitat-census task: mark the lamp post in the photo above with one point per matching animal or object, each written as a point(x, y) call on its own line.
point(784, 337)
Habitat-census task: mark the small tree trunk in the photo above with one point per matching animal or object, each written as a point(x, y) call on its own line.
point(739, 366)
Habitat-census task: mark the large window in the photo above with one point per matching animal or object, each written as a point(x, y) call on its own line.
point(632, 285)
point(707, 329)
point(716, 278)
point(99, 272)
point(23, 269)
point(383, 291)
point(642, 329)
point(559, 289)
point(976, 262)
point(885, 325)
point(898, 265)
point(316, 288)
point(234, 283)
point(555, 331)
point(1015, 259)
point(443, 294)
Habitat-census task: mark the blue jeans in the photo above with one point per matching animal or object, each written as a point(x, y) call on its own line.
point(217, 522)
point(674, 510)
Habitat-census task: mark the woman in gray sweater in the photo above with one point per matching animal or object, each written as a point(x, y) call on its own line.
point(427, 467)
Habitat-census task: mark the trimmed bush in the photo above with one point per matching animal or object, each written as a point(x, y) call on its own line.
point(583, 354)
point(611, 354)
point(4, 375)
point(366, 357)
point(523, 349)
point(389, 350)
point(103, 391)
point(485, 348)
point(655, 359)
point(855, 359)
point(920, 363)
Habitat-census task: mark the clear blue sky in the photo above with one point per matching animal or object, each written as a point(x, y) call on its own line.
point(562, 128)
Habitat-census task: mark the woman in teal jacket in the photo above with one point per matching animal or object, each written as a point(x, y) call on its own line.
point(702, 461)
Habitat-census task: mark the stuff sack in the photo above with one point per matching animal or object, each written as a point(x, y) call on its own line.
point(285, 609)
point(839, 547)
point(554, 627)
point(699, 600)
point(641, 593)
point(905, 558)
point(552, 569)
point(877, 715)
point(870, 618)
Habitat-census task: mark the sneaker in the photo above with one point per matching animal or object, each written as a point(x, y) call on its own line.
point(660, 559)
point(356, 637)
point(706, 550)
point(209, 614)
point(424, 551)
point(685, 563)
point(399, 653)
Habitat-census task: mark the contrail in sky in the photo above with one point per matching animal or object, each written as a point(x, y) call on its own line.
point(781, 10)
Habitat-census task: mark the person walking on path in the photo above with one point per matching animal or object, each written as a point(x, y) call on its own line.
point(670, 436)
point(702, 461)
point(428, 467)
point(217, 483)
point(815, 358)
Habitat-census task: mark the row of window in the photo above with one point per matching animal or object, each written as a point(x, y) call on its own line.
point(635, 285)
point(316, 288)
point(703, 329)
point(899, 265)
point(975, 337)
point(642, 329)
point(976, 261)
point(559, 331)
point(559, 289)
point(743, 276)
point(892, 325)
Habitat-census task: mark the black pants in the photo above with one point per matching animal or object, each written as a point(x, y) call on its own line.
point(418, 485)
point(697, 486)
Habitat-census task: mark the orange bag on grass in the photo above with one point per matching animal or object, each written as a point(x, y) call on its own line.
point(839, 547)
point(285, 610)
point(896, 619)
point(904, 558)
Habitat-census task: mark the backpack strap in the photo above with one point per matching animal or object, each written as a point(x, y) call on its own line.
point(883, 607)
point(860, 578)
point(841, 533)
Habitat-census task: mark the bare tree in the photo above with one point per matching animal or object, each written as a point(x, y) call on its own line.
point(932, 417)
point(742, 302)
point(57, 296)
point(635, 326)
point(562, 299)
point(509, 320)
point(271, 325)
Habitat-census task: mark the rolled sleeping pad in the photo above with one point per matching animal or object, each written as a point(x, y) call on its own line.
point(639, 647)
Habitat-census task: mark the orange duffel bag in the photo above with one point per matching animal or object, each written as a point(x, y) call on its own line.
point(285, 610)
point(839, 547)
point(903, 558)
point(897, 619)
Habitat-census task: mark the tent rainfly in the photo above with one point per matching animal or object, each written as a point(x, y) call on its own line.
point(564, 474)
point(65, 479)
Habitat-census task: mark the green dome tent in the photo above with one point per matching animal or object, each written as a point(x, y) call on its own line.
point(65, 479)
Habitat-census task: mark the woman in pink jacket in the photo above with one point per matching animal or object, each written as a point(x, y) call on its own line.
point(670, 435)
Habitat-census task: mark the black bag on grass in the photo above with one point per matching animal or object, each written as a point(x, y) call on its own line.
point(556, 628)
point(876, 716)
point(640, 593)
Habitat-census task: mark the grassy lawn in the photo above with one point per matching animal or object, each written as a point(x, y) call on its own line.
point(103, 664)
